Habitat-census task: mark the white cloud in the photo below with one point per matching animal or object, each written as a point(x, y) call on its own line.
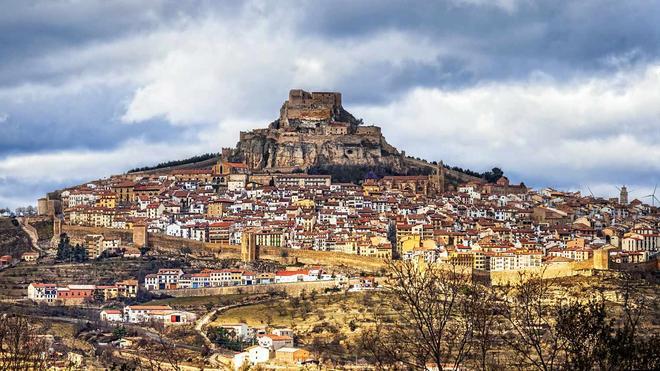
point(72, 165)
point(601, 128)
point(510, 6)
point(38, 173)
point(4, 117)
point(222, 68)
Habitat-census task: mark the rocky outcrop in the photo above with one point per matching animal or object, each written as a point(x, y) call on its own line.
point(302, 138)
point(269, 150)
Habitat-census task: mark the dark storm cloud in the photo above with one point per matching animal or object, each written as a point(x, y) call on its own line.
point(88, 119)
point(30, 31)
point(564, 39)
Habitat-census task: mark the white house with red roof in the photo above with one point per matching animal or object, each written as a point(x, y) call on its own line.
point(274, 342)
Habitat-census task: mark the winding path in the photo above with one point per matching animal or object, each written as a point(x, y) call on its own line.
point(31, 232)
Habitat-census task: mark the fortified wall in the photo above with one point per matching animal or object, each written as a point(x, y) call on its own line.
point(171, 244)
point(314, 106)
point(558, 270)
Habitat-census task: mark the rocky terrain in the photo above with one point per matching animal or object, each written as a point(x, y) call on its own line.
point(314, 131)
point(13, 241)
point(315, 134)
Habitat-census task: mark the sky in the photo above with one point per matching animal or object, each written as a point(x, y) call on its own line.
point(557, 93)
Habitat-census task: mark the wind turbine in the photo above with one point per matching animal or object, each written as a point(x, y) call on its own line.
point(652, 196)
point(592, 194)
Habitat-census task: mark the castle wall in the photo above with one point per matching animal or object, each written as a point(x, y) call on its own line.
point(374, 131)
point(557, 270)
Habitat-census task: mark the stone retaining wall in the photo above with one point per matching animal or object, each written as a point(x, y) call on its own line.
point(291, 288)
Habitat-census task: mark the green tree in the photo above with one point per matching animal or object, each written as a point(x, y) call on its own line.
point(493, 175)
point(79, 253)
point(64, 248)
point(98, 296)
point(119, 332)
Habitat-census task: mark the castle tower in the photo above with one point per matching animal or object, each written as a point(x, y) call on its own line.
point(249, 248)
point(623, 196)
point(140, 235)
point(57, 231)
point(602, 258)
point(438, 178)
point(57, 227)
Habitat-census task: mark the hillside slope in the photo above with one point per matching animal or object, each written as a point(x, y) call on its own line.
point(13, 240)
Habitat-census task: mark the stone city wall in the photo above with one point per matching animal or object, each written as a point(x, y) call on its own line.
point(175, 244)
point(557, 270)
point(78, 233)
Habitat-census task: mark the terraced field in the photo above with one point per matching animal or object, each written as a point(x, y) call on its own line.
point(14, 281)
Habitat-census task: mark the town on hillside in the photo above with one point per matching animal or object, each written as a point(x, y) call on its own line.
point(260, 258)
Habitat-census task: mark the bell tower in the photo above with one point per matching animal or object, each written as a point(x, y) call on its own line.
point(623, 196)
point(438, 178)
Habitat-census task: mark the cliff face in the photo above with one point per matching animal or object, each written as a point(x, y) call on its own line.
point(314, 130)
point(271, 150)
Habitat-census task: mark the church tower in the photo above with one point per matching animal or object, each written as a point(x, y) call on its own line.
point(623, 196)
point(438, 178)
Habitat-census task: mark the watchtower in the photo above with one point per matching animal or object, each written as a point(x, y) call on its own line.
point(249, 248)
point(140, 235)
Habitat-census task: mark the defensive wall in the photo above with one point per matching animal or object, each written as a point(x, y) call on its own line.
point(337, 259)
point(555, 270)
point(308, 257)
point(78, 233)
point(293, 288)
point(175, 244)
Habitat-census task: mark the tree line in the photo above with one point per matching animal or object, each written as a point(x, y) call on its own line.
point(434, 318)
point(190, 160)
point(70, 253)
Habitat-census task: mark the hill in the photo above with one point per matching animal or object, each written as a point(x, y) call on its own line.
point(315, 134)
point(13, 240)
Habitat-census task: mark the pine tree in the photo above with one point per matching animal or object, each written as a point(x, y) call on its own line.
point(63, 248)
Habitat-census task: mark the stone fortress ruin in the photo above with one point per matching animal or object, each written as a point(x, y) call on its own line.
point(313, 129)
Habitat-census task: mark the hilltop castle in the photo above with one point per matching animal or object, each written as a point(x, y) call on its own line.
point(314, 131)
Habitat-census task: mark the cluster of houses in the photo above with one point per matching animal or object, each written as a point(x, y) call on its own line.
point(98, 244)
point(275, 347)
point(77, 294)
point(490, 226)
point(171, 279)
point(148, 314)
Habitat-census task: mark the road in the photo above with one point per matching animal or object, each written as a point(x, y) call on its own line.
point(205, 319)
point(214, 359)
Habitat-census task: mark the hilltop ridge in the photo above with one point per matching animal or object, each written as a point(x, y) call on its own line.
point(314, 131)
point(315, 134)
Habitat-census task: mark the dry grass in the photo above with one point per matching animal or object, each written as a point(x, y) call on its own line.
point(325, 313)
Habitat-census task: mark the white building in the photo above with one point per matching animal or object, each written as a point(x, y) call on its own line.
point(42, 291)
point(112, 315)
point(253, 355)
point(157, 313)
point(275, 342)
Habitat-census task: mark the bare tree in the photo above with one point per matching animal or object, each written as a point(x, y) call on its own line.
point(480, 307)
point(424, 317)
point(21, 347)
point(528, 330)
point(159, 353)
